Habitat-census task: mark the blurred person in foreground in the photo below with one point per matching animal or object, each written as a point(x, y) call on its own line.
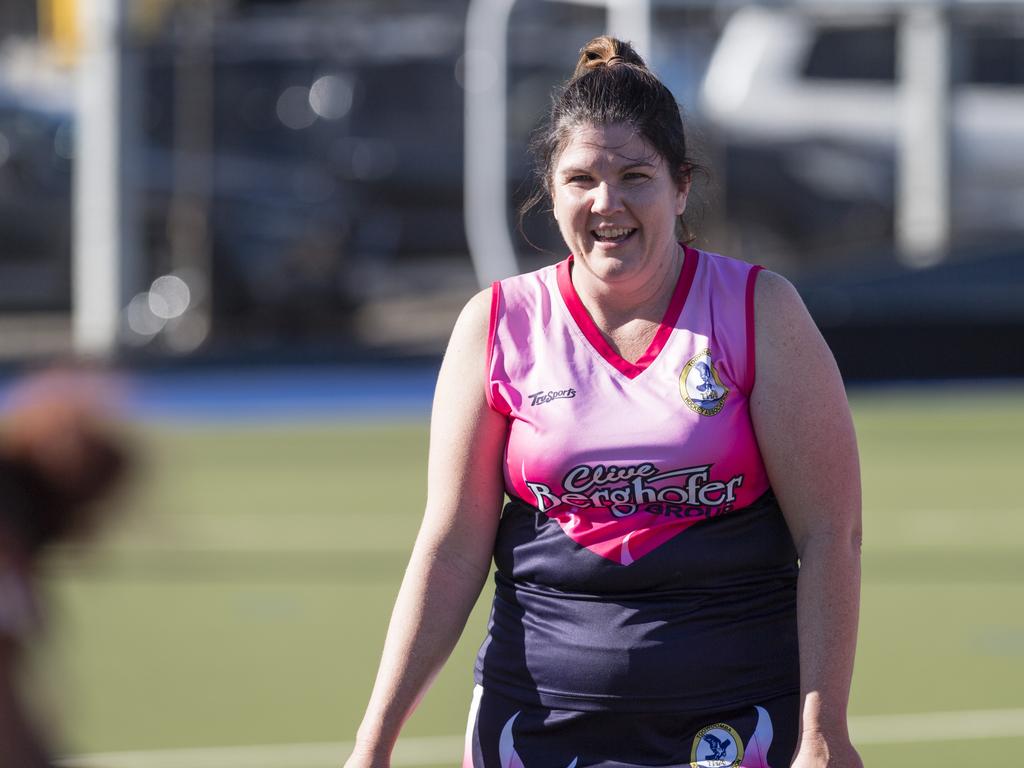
point(59, 457)
point(678, 567)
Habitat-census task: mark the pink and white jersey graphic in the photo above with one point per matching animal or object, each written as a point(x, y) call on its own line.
point(628, 455)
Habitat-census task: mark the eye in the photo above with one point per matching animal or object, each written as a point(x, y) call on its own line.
point(635, 176)
point(579, 178)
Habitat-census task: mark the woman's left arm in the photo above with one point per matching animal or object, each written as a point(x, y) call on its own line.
point(803, 425)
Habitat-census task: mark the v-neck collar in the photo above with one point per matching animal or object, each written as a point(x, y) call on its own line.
point(590, 330)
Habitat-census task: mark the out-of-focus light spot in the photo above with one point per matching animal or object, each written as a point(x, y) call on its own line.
point(293, 108)
point(476, 71)
point(187, 333)
point(5, 149)
point(331, 97)
point(373, 159)
point(169, 297)
point(140, 317)
point(64, 141)
point(158, 306)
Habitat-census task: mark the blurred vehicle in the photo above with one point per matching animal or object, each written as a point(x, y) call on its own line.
point(35, 203)
point(233, 139)
point(805, 101)
point(300, 158)
point(274, 151)
point(306, 159)
point(276, 225)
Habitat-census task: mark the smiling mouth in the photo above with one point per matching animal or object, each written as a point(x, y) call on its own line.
point(613, 235)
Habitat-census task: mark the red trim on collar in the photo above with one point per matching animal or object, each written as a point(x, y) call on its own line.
point(597, 340)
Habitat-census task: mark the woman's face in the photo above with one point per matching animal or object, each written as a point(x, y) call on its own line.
point(616, 203)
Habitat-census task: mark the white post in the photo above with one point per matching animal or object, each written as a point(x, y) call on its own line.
point(97, 244)
point(630, 20)
point(923, 177)
point(485, 66)
point(485, 176)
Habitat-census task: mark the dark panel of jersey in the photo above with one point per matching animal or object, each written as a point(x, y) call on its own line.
point(706, 620)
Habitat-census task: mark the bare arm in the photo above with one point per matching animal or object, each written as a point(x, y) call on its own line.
point(806, 436)
point(19, 743)
point(452, 555)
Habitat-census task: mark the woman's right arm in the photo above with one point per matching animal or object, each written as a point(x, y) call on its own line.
point(452, 555)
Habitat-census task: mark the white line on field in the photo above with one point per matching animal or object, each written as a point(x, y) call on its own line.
point(435, 750)
point(428, 750)
point(938, 726)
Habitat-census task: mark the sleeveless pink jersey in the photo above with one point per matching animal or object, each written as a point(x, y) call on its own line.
point(643, 563)
point(626, 456)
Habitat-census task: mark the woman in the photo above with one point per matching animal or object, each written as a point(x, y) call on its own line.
point(674, 436)
point(59, 458)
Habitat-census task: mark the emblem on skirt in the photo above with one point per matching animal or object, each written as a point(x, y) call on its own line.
point(716, 746)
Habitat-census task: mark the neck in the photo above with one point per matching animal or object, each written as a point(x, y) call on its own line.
point(614, 305)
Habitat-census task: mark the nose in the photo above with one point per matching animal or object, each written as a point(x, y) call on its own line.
point(606, 199)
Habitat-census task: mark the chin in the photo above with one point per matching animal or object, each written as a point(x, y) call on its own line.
point(611, 268)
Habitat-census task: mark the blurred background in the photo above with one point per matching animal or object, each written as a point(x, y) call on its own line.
point(258, 212)
point(285, 179)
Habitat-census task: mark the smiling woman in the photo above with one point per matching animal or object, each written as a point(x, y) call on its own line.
point(674, 437)
point(616, 204)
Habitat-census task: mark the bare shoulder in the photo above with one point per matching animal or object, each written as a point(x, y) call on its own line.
point(777, 304)
point(463, 369)
point(473, 322)
point(773, 287)
point(479, 305)
point(785, 334)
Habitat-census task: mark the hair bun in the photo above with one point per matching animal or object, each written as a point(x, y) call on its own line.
point(606, 51)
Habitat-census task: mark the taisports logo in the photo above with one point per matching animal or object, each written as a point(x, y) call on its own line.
point(539, 398)
point(627, 489)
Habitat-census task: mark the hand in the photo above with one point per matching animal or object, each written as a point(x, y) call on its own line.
point(820, 750)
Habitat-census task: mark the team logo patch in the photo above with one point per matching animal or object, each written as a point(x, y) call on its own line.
point(700, 387)
point(716, 746)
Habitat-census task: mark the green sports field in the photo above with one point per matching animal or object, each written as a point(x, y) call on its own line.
point(235, 614)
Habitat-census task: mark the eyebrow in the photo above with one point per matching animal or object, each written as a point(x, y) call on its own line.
point(577, 169)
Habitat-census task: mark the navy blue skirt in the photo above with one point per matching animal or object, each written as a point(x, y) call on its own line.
point(502, 733)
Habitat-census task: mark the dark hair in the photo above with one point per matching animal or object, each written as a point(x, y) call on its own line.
point(611, 84)
point(57, 460)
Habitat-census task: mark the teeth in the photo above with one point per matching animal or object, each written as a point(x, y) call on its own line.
point(612, 234)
